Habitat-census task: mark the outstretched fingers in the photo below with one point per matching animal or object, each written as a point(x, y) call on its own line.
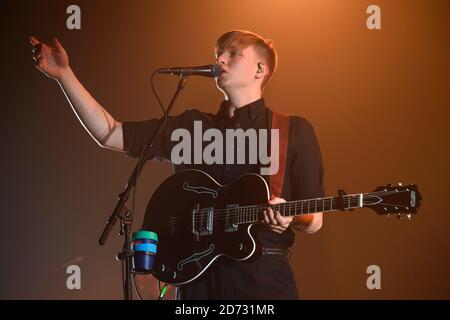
point(57, 45)
point(34, 41)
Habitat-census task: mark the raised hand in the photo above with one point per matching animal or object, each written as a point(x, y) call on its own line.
point(50, 60)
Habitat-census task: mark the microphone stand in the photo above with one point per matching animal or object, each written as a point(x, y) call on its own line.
point(125, 215)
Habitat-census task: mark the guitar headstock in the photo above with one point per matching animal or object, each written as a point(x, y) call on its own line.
point(394, 199)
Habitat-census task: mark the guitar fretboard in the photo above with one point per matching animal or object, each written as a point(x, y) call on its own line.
point(253, 213)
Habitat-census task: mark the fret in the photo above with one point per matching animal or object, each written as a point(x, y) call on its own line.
point(350, 200)
point(240, 215)
point(246, 215)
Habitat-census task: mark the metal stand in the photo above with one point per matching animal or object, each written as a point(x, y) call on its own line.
point(126, 218)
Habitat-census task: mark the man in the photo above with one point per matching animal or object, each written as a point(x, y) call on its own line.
point(248, 62)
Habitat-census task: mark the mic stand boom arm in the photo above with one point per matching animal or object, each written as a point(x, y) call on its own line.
point(123, 196)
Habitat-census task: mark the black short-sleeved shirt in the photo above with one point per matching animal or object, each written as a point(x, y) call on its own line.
point(304, 168)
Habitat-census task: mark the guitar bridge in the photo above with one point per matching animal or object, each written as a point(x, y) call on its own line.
point(202, 222)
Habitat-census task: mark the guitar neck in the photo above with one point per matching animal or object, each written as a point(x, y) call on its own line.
point(254, 213)
point(311, 206)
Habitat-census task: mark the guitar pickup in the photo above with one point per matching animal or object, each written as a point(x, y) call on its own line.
point(203, 222)
point(230, 217)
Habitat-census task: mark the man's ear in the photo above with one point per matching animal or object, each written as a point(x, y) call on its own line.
point(262, 70)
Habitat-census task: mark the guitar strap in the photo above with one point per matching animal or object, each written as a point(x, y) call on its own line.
point(280, 121)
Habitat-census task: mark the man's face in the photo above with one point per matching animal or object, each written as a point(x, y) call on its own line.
point(238, 69)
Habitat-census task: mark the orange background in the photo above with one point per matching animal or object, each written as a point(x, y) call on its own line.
point(378, 99)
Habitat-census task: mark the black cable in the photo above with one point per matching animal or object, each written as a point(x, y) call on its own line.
point(155, 94)
point(165, 117)
point(140, 165)
point(136, 288)
point(123, 272)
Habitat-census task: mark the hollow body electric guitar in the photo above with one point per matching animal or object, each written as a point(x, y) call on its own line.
point(198, 220)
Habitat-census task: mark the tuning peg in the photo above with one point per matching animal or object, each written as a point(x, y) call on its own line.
point(408, 216)
point(399, 184)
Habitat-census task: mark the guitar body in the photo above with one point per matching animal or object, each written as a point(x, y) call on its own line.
point(187, 212)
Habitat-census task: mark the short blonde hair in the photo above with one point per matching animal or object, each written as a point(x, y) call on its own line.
point(241, 39)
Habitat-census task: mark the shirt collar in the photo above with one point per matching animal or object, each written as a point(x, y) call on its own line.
point(249, 111)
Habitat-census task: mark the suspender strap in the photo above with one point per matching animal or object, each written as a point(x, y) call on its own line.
point(280, 121)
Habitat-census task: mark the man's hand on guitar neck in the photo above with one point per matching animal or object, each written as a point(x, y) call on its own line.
point(276, 221)
point(309, 223)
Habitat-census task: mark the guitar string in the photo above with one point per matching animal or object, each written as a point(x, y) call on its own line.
point(289, 204)
point(294, 203)
point(253, 210)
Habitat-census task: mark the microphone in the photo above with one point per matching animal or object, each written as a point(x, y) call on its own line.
point(210, 70)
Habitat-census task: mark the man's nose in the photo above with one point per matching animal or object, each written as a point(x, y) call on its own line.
point(221, 59)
